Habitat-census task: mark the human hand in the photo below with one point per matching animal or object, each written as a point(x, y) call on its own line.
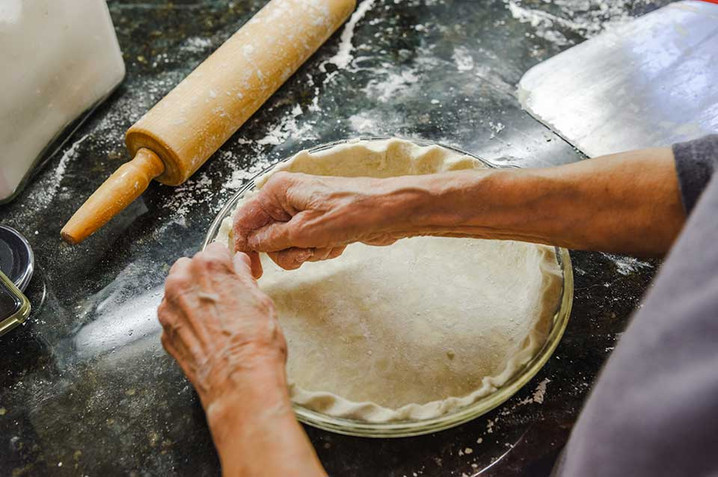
point(220, 328)
point(298, 217)
point(223, 332)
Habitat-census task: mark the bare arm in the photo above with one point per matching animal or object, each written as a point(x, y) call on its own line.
point(625, 203)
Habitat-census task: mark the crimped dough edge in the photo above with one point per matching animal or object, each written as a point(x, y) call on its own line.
point(420, 160)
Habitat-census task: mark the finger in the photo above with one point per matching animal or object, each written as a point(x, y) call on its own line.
point(320, 254)
point(163, 316)
point(336, 252)
point(251, 216)
point(176, 326)
point(187, 324)
point(172, 346)
point(178, 281)
point(211, 264)
point(243, 265)
point(255, 265)
point(178, 356)
point(194, 314)
point(382, 241)
point(167, 345)
point(273, 237)
point(291, 258)
point(171, 341)
point(217, 251)
point(180, 265)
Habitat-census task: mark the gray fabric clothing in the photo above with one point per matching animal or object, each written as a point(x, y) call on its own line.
point(654, 409)
point(695, 163)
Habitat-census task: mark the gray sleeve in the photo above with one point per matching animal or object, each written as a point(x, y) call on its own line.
point(695, 162)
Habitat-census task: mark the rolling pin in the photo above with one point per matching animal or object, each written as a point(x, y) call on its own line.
point(174, 138)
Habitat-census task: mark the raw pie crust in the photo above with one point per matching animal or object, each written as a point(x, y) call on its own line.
point(417, 329)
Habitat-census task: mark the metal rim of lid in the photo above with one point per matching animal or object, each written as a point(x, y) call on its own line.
point(22, 274)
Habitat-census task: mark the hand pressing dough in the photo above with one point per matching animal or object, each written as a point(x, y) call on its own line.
point(417, 329)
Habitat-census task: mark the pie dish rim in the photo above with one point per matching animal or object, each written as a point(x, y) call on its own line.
point(461, 415)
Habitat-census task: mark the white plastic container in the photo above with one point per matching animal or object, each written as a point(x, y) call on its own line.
point(58, 60)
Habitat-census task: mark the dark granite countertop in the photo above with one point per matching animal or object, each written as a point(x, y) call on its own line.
point(86, 388)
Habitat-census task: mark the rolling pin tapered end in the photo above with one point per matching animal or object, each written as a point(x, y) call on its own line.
point(114, 195)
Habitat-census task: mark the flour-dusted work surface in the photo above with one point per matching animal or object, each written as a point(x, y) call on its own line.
point(86, 387)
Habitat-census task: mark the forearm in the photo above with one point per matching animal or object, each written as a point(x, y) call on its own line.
point(256, 433)
point(626, 203)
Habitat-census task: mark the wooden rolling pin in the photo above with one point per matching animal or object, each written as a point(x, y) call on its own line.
point(187, 126)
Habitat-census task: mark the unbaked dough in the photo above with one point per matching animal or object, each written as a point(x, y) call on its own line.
point(417, 329)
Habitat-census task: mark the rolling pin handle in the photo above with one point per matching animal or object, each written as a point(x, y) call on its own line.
point(115, 194)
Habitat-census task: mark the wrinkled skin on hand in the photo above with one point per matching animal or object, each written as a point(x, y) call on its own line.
point(298, 217)
point(219, 327)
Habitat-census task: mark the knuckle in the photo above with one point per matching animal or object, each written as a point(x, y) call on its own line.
point(178, 280)
point(275, 186)
point(163, 317)
point(266, 305)
point(300, 232)
point(298, 228)
point(213, 261)
point(282, 344)
point(280, 178)
point(272, 202)
point(179, 264)
point(317, 198)
point(166, 342)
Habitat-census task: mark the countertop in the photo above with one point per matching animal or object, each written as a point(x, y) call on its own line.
point(86, 387)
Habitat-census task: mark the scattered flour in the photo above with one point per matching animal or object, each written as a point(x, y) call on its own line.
point(543, 23)
point(462, 58)
point(71, 153)
point(196, 44)
point(466, 451)
point(197, 190)
point(627, 265)
point(385, 89)
point(50, 184)
point(287, 128)
point(538, 395)
point(239, 175)
point(496, 128)
point(344, 56)
point(540, 392)
point(490, 426)
point(364, 123)
point(585, 18)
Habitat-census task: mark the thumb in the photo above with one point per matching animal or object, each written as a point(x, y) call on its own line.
point(243, 265)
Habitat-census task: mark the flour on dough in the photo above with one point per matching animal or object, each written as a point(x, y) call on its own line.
point(417, 329)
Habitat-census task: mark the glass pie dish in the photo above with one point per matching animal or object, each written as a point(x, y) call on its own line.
point(456, 416)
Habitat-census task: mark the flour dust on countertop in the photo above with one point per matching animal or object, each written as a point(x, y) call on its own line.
point(376, 73)
point(566, 22)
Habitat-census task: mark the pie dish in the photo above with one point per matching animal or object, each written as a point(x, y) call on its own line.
point(422, 335)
